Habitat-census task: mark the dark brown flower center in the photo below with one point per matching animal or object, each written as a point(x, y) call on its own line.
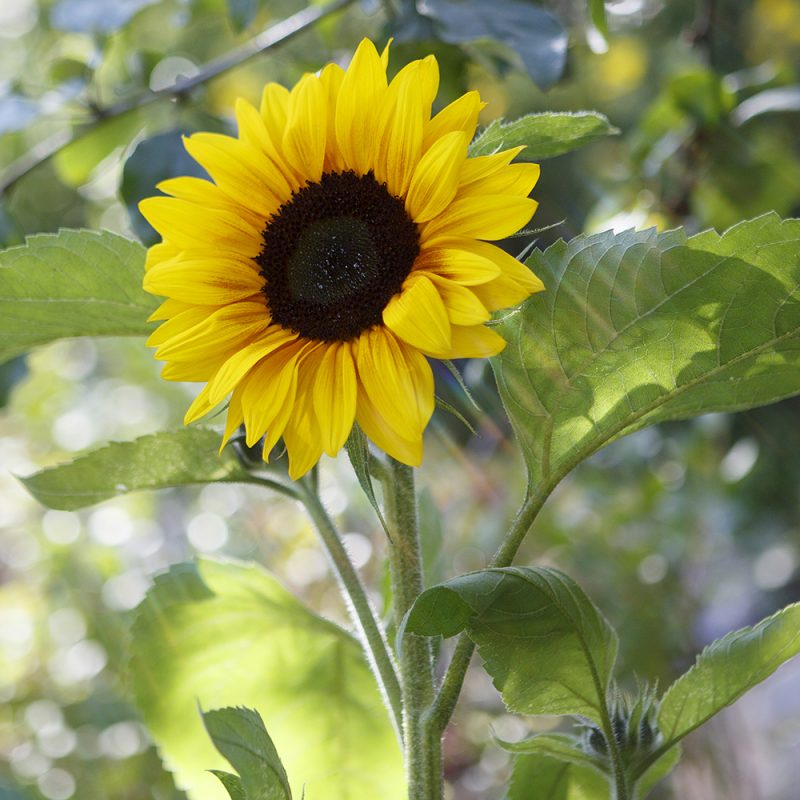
point(335, 254)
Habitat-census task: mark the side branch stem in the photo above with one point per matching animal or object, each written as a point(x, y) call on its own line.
point(445, 702)
point(372, 636)
point(423, 749)
point(271, 37)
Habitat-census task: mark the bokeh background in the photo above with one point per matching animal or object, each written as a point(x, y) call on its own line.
point(679, 533)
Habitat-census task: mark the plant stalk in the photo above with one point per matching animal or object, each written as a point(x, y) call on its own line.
point(422, 744)
point(371, 633)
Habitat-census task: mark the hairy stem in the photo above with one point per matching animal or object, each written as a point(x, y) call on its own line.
point(423, 750)
point(370, 630)
point(271, 37)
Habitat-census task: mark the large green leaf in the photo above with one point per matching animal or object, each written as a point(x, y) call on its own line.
point(225, 634)
point(725, 670)
point(546, 646)
point(239, 734)
point(639, 327)
point(73, 283)
point(537, 777)
point(544, 135)
point(172, 458)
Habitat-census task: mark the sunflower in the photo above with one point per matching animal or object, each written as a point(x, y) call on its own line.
point(343, 241)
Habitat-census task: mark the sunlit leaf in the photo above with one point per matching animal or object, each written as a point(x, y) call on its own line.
point(222, 634)
point(545, 645)
point(174, 458)
point(640, 327)
point(544, 135)
point(73, 283)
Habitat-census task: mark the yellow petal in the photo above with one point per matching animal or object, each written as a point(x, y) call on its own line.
point(275, 111)
point(475, 341)
point(435, 180)
point(306, 128)
point(199, 407)
point(210, 281)
point(455, 261)
point(191, 225)
point(515, 179)
point(169, 308)
point(357, 107)
point(179, 323)
point(234, 418)
point(159, 253)
point(463, 307)
point(241, 171)
point(376, 425)
point(267, 390)
point(335, 396)
point(302, 434)
point(490, 217)
point(222, 332)
point(192, 372)
point(239, 364)
point(398, 381)
point(515, 283)
point(483, 166)
point(331, 78)
point(418, 316)
point(460, 115)
point(398, 145)
point(429, 84)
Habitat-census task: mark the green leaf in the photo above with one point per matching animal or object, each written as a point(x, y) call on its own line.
point(174, 458)
point(639, 327)
point(725, 670)
point(537, 777)
point(544, 135)
point(223, 634)
point(357, 448)
point(546, 646)
point(73, 283)
point(239, 734)
point(538, 38)
point(597, 9)
point(232, 783)
point(559, 746)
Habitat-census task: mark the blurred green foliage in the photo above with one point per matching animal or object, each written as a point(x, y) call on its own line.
point(679, 533)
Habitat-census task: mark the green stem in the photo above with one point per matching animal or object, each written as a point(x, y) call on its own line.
point(372, 636)
point(619, 784)
point(442, 709)
point(423, 749)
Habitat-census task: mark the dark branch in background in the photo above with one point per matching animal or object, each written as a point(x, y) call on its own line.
point(703, 26)
point(271, 37)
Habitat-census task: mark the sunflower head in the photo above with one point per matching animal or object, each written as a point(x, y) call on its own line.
point(342, 241)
